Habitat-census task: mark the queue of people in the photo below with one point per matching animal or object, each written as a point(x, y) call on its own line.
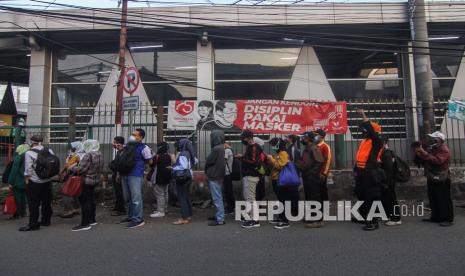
point(34, 170)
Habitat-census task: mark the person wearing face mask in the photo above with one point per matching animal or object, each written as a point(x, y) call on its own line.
point(119, 209)
point(436, 159)
point(310, 165)
point(90, 167)
point(161, 177)
point(71, 205)
point(251, 162)
point(133, 181)
point(182, 174)
point(277, 162)
point(326, 151)
point(368, 161)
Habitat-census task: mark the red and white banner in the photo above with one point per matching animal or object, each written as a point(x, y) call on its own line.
point(259, 116)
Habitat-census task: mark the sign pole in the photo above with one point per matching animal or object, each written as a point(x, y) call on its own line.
point(121, 66)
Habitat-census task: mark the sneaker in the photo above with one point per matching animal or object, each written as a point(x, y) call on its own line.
point(135, 224)
point(250, 224)
point(216, 223)
point(275, 221)
point(446, 224)
point(125, 220)
point(392, 223)
point(371, 227)
point(282, 225)
point(81, 228)
point(93, 223)
point(157, 215)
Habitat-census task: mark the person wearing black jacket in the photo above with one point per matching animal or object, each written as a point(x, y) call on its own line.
point(161, 178)
point(369, 176)
point(310, 165)
point(292, 148)
point(250, 175)
point(119, 209)
point(215, 170)
point(388, 191)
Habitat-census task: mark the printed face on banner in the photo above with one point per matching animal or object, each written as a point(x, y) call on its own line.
point(265, 116)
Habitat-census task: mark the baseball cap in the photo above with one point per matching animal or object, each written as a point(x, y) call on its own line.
point(37, 138)
point(438, 134)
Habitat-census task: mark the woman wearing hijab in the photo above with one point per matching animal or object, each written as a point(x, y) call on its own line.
point(161, 178)
point(182, 173)
point(90, 168)
point(71, 205)
point(16, 181)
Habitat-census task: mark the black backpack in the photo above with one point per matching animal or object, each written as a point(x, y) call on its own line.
point(125, 161)
point(401, 170)
point(46, 165)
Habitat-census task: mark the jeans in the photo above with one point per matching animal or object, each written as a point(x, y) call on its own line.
point(119, 197)
point(88, 205)
point(39, 195)
point(249, 184)
point(183, 190)
point(215, 189)
point(132, 191)
point(161, 195)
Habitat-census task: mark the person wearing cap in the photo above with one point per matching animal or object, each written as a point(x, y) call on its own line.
point(326, 151)
point(250, 176)
point(310, 165)
point(292, 148)
point(368, 160)
point(38, 190)
point(19, 134)
point(436, 159)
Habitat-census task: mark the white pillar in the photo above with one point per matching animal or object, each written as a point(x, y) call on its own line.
point(40, 78)
point(205, 72)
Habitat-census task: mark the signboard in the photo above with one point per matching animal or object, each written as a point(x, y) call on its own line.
point(131, 80)
point(259, 116)
point(456, 110)
point(131, 103)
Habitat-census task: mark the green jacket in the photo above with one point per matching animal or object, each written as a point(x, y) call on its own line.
point(16, 177)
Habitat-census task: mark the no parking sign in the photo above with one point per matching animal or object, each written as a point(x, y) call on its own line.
point(131, 80)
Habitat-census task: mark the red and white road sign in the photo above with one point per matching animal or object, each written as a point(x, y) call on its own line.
point(131, 80)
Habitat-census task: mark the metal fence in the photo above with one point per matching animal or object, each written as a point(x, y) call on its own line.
point(96, 122)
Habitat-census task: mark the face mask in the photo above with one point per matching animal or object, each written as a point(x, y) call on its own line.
point(132, 138)
point(244, 142)
point(275, 148)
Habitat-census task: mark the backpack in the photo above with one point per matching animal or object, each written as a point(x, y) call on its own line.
point(46, 165)
point(6, 172)
point(401, 170)
point(125, 161)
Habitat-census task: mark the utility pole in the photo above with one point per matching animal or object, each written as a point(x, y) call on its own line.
point(422, 64)
point(121, 66)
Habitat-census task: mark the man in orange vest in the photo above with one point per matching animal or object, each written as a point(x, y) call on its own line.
point(367, 182)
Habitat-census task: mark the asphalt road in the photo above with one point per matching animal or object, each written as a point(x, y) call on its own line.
point(159, 248)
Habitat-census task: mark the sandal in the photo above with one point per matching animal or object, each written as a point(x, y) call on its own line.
point(181, 222)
